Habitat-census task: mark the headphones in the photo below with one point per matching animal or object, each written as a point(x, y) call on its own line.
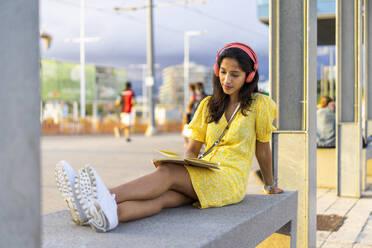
point(248, 50)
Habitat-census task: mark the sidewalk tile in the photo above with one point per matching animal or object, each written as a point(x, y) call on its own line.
point(347, 235)
point(362, 246)
point(329, 244)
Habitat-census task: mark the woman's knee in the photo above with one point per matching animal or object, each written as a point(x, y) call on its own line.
point(178, 178)
point(165, 170)
point(172, 170)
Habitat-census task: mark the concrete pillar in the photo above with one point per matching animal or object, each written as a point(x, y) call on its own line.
point(348, 110)
point(368, 65)
point(367, 38)
point(273, 56)
point(293, 39)
point(20, 124)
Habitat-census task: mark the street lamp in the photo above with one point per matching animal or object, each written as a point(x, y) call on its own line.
point(186, 63)
point(82, 41)
point(150, 79)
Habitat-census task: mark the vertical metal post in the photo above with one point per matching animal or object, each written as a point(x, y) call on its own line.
point(293, 27)
point(273, 56)
point(367, 29)
point(151, 129)
point(95, 105)
point(82, 59)
point(331, 74)
point(186, 71)
point(368, 65)
point(326, 82)
point(75, 111)
point(348, 133)
point(144, 92)
point(322, 80)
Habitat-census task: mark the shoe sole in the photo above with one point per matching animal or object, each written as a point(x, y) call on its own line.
point(64, 186)
point(86, 191)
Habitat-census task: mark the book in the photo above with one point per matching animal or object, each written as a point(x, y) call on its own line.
point(177, 159)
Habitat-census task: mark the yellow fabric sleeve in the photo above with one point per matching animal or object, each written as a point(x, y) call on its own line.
point(266, 114)
point(199, 122)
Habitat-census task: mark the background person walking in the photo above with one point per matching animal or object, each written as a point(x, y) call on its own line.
point(190, 110)
point(200, 93)
point(125, 101)
point(326, 123)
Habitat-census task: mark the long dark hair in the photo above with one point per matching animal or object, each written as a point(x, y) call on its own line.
point(219, 100)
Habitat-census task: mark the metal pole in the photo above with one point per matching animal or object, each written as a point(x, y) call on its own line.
point(186, 72)
point(348, 125)
point(82, 59)
point(292, 46)
point(273, 56)
point(321, 80)
point(144, 92)
point(95, 106)
point(365, 64)
point(151, 129)
point(326, 93)
point(331, 74)
point(368, 65)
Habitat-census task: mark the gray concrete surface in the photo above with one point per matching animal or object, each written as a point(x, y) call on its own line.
point(241, 225)
point(20, 124)
point(349, 98)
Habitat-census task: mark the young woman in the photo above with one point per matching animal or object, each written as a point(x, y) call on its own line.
point(235, 91)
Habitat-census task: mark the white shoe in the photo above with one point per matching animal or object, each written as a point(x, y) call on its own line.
point(98, 204)
point(65, 177)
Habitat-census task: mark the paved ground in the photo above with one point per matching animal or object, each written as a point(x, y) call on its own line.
point(118, 162)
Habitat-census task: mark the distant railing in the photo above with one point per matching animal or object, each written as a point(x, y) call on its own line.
point(67, 127)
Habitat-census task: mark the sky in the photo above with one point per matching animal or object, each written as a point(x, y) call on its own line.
point(123, 34)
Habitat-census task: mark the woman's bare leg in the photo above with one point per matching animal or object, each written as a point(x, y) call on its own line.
point(133, 210)
point(165, 178)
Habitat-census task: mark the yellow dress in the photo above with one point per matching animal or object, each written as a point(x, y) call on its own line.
point(216, 188)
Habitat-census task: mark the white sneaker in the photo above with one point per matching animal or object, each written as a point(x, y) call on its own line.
point(98, 204)
point(65, 177)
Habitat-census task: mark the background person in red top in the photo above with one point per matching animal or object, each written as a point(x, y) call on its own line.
point(125, 101)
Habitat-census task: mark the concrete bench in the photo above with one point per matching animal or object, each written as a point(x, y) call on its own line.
point(327, 167)
point(246, 224)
